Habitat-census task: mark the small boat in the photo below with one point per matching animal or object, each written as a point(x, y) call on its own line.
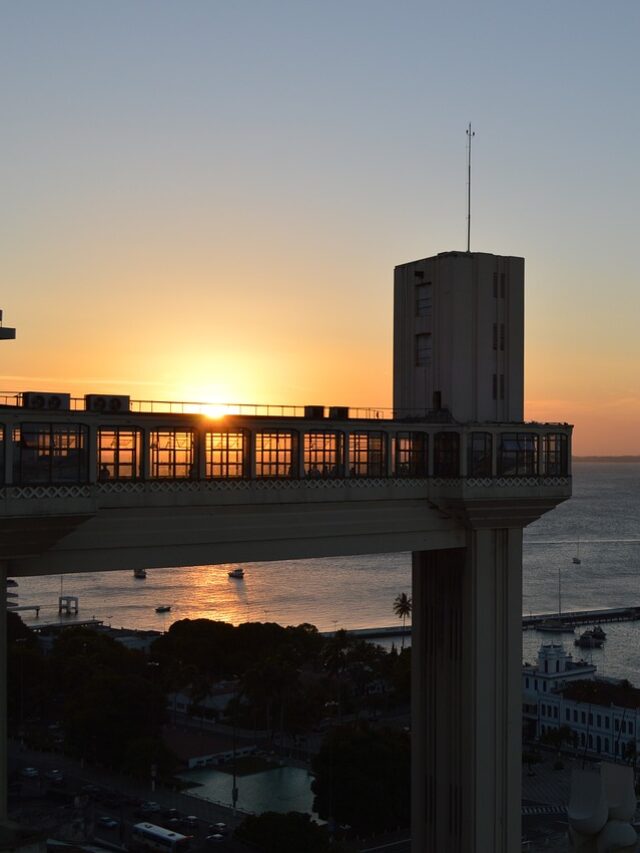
point(236, 573)
point(586, 640)
point(577, 559)
point(598, 633)
point(140, 574)
point(163, 608)
point(555, 626)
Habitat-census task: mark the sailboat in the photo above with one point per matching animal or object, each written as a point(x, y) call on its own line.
point(555, 625)
point(577, 559)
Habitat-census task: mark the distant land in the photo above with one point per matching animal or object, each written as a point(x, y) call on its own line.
point(606, 458)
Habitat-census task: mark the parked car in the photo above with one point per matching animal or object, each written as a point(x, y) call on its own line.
point(108, 822)
point(219, 828)
point(55, 776)
point(214, 839)
point(29, 773)
point(148, 808)
point(190, 821)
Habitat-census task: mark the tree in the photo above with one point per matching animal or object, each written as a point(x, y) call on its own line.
point(362, 778)
point(293, 832)
point(402, 609)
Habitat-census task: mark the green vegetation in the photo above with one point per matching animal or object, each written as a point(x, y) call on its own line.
point(287, 833)
point(362, 778)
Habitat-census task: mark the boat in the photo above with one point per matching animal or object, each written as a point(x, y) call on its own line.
point(598, 633)
point(586, 640)
point(236, 573)
point(577, 559)
point(140, 574)
point(163, 608)
point(555, 626)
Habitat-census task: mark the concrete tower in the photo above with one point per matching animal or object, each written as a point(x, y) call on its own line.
point(459, 346)
point(459, 336)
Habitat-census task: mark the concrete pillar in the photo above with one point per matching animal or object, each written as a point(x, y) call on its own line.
point(466, 705)
point(3, 693)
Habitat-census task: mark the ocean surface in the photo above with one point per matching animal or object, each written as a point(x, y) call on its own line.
point(602, 520)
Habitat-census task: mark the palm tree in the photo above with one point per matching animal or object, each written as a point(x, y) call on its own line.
point(402, 609)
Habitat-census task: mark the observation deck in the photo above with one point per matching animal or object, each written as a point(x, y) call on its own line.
point(141, 483)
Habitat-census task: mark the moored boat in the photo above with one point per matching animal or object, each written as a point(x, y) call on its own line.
point(236, 573)
point(140, 574)
point(555, 626)
point(163, 608)
point(586, 640)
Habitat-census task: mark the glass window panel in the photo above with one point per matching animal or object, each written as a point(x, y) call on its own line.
point(50, 453)
point(172, 454)
point(479, 454)
point(518, 454)
point(367, 456)
point(323, 452)
point(118, 453)
point(556, 455)
point(276, 454)
point(423, 299)
point(411, 454)
point(446, 454)
point(226, 454)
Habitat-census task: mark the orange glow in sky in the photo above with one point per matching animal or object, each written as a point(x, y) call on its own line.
point(179, 224)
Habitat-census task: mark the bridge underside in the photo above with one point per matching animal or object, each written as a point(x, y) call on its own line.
point(149, 537)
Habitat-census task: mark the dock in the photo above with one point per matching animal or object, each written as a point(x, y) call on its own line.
point(586, 617)
point(15, 607)
point(573, 617)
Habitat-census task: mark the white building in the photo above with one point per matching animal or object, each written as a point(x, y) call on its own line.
point(602, 714)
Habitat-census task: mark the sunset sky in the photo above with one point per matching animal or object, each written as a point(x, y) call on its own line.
point(205, 200)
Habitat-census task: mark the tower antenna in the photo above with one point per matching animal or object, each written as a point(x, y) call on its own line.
point(470, 135)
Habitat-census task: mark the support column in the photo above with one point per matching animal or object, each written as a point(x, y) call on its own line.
point(3, 693)
point(466, 695)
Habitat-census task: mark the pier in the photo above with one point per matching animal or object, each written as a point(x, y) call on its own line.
point(584, 617)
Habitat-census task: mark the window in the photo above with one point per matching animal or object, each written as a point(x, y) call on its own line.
point(557, 666)
point(616, 724)
point(495, 336)
point(598, 744)
point(502, 285)
point(502, 336)
point(323, 454)
point(495, 285)
point(555, 711)
point(118, 453)
point(624, 727)
point(367, 454)
point(424, 350)
point(536, 683)
point(494, 386)
point(567, 715)
point(590, 741)
point(606, 744)
point(544, 686)
point(518, 454)
point(526, 682)
point(606, 722)
point(410, 454)
point(575, 716)
point(276, 454)
point(423, 299)
point(171, 454)
point(556, 455)
point(546, 666)
point(582, 739)
point(583, 717)
point(630, 724)
point(226, 455)
point(50, 453)
point(599, 721)
point(446, 454)
point(590, 718)
point(479, 454)
point(502, 386)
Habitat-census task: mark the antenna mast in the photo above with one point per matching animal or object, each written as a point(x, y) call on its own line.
point(470, 135)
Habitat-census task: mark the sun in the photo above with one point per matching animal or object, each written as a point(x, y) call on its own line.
point(214, 411)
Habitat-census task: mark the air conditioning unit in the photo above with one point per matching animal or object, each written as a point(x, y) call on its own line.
point(108, 403)
point(314, 412)
point(45, 401)
point(339, 413)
